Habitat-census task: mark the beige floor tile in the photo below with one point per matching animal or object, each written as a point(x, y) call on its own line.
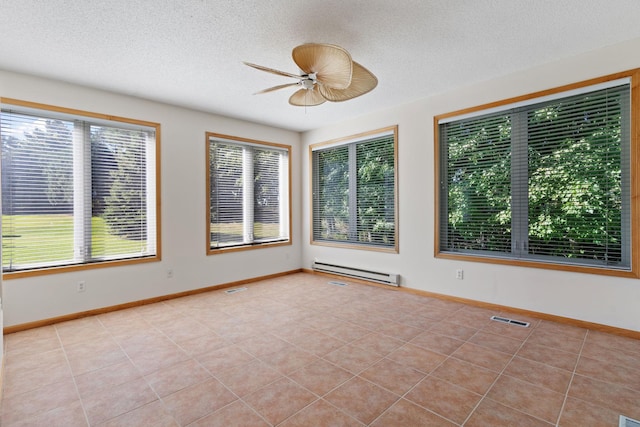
point(75, 331)
point(556, 340)
point(407, 414)
point(279, 400)
point(536, 401)
point(61, 416)
point(353, 359)
point(482, 356)
point(417, 321)
point(436, 342)
point(320, 377)
point(577, 412)
point(248, 378)
point(39, 401)
point(220, 361)
point(203, 344)
point(346, 332)
point(399, 331)
point(263, 345)
point(379, 343)
point(152, 414)
point(158, 357)
point(237, 414)
point(444, 398)
point(454, 330)
point(613, 341)
point(435, 313)
point(289, 360)
point(473, 316)
point(318, 343)
point(176, 377)
point(492, 413)
point(608, 395)
point(197, 401)
point(28, 376)
point(496, 342)
point(620, 375)
point(114, 401)
point(393, 376)
point(94, 354)
point(321, 414)
point(32, 341)
point(467, 375)
point(361, 399)
point(539, 374)
point(611, 355)
point(94, 381)
point(182, 329)
point(549, 356)
point(568, 331)
point(417, 358)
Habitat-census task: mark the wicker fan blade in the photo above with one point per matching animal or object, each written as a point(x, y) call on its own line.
point(271, 89)
point(272, 71)
point(362, 81)
point(306, 98)
point(330, 63)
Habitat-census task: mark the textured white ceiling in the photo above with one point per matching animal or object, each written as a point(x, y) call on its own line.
point(190, 52)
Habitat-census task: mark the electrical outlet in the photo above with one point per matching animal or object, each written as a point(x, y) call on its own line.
point(169, 273)
point(82, 286)
point(459, 274)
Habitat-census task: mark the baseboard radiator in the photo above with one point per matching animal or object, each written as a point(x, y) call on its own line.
point(358, 273)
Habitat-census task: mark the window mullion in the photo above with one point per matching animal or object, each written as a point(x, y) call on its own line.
point(247, 191)
point(150, 172)
point(626, 169)
point(82, 191)
point(283, 182)
point(353, 194)
point(519, 185)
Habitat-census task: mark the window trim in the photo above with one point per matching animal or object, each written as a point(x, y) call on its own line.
point(344, 141)
point(634, 191)
point(39, 271)
point(246, 247)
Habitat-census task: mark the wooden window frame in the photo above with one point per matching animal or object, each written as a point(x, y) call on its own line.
point(81, 114)
point(634, 135)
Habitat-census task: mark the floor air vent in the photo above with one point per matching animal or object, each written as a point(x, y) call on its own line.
point(511, 322)
point(628, 422)
point(358, 273)
point(234, 290)
point(337, 283)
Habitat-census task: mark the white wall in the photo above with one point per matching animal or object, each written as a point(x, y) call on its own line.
point(595, 298)
point(183, 211)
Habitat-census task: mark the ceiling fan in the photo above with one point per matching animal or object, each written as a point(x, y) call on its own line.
point(327, 74)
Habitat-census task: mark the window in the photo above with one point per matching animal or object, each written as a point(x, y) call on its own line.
point(78, 189)
point(247, 193)
point(543, 182)
point(354, 191)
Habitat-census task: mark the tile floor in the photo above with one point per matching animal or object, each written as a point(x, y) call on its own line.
point(298, 351)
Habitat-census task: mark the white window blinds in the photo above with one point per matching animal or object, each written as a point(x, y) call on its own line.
point(548, 181)
point(248, 195)
point(75, 191)
point(354, 192)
